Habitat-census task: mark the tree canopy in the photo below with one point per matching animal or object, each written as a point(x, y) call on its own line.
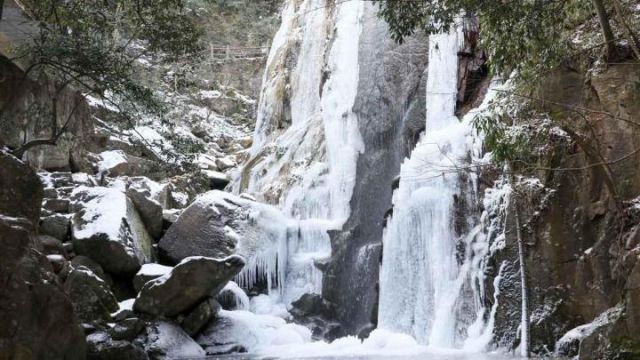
point(92, 46)
point(523, 36)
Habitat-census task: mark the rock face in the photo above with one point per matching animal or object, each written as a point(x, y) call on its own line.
point(36, 316)
point(21, 189)
point(189, 283)
point(18, 123)
point(581, 230)
point(108, 229)
point(219, 224)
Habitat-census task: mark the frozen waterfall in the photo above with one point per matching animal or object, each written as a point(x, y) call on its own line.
point(307, 141)
point(425, 286)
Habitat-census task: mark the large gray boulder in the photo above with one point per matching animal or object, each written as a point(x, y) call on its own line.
point(189, 283)
point(150, 198)
point(91, 296)
point(107, 228)
point(218, 224)
point(56, 225)
point(195, 321)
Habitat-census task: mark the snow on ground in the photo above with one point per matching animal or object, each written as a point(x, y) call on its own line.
point(271, 336)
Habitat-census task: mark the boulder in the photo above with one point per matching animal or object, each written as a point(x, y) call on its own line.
point(189, 283)
point(61, 179)
point(113, 163)
point(147, 273)
point(81, 260)
point(103, 347)
point(107, 228)
point(91, 297)
point(52, 246)
point(57, 205)
point(225, 163)
point(37, 319)
point(217, 180)
point(57, 226)
point(166, 340)
point(195, 321)
point(57, 262)
point(127, 329)
point(148, 197)
point(21, 191)
point(219, 224)
point(246, 141)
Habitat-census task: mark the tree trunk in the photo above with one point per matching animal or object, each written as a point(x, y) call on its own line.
point(524, 326)
point(633, 39)
point(607, 33)
point(1, 7)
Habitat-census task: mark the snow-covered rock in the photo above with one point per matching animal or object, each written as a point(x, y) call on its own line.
point(113, 163)
point(189, 283)
point(149, 196)
point(107, 228)
point(149, 272)
point(217, 180)
point(166, 340)
point(225, 163)
point(219, 224)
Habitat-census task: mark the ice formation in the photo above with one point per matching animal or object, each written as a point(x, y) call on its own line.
point(306, 146)
point(431, 276)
